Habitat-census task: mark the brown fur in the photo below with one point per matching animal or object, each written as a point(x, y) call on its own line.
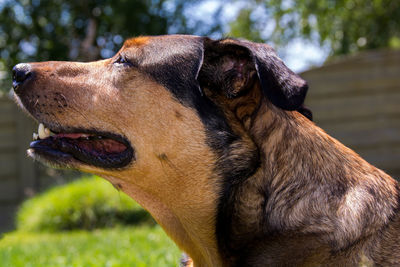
point(308, 201)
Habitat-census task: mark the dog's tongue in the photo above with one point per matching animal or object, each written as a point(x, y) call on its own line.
point(81, 142)
point(71, 135)
point(98, 147)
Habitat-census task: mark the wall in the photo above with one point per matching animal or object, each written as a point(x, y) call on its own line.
point(357, 100)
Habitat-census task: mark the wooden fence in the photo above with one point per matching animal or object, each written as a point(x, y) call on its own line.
point(17, 172)
point(357, 101)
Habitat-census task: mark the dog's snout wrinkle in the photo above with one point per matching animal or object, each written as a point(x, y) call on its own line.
point(70, 72)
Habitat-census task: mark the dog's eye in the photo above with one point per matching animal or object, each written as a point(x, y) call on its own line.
point(122, 60)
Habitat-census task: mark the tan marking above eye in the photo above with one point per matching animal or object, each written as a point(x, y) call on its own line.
point(139, 41)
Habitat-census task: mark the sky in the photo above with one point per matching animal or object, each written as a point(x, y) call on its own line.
point(301, 55)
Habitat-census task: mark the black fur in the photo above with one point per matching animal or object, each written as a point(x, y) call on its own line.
point(281, 86)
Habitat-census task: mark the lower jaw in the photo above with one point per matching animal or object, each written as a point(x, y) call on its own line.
point(68, 157)
point(54, 159)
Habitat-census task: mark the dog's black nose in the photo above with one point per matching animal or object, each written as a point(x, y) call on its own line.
point(20, 73)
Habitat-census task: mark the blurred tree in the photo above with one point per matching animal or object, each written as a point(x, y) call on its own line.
point(346, 26)
point(37, 30)
point(245, 27)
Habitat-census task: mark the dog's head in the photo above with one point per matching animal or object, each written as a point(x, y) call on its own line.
point(101, 112)
point(166, 113)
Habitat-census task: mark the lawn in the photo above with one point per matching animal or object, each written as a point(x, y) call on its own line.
point(112, 247)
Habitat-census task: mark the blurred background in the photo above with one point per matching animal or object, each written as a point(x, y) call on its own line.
point(348, 51)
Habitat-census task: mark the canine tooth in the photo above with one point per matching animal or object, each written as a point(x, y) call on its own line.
point(35, 136)
point(42, 131)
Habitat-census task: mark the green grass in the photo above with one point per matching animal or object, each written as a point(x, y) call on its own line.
point(120, 246)
point(53, 230)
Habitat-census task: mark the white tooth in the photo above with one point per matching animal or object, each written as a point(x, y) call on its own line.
point(41, 131)
point(47, 131)
point(35, 136)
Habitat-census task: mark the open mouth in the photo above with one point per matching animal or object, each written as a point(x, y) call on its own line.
point(100, 149)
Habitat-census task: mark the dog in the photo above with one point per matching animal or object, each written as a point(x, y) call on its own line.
point(212, 138)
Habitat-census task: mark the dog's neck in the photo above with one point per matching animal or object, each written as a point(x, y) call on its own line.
point(186, 219)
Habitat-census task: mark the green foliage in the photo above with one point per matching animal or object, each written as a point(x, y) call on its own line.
point(84, 204)
point(346, 25)
point(117, 247)
point(245, 27)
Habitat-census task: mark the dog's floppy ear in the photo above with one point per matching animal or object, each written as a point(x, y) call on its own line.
point(282, 86)
point(279, 84)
